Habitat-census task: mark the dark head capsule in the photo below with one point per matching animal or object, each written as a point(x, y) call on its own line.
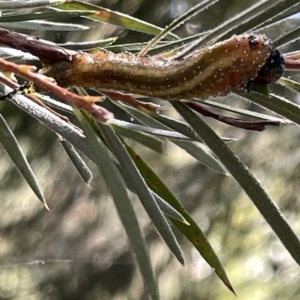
point(273, 68)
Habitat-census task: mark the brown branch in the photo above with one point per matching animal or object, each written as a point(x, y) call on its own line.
point(127, 98)
point(46, 51)
point(85, 102)
point(236, 122)
point(292, 64)
point(292, 61)
point(16, 86)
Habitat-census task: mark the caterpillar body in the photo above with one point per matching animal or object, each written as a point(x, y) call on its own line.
point(214, 70)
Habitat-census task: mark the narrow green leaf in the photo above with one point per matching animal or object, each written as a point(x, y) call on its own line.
point(203, 155)
point(28, 4)
point(147, 140)
point(44, 25)
point(182, 127)
point(247, 19)
point(67, 130)
point(289, 37)
point(60, 106)
point(271, 31)
point(151, 130)
point(246, 112)
point(198, 152)
point(14, 55)
point(180, 20)
point(13, 149)
point(182, 130)
point(245, 179)
point(290, 83)
point(138, 184)
point(277, 13)
point(113, 17)
point(191, 230)
point(233, 25)
point(87, 46)
point(277, 104)
point(44, 15)
point(160, 47)
point(116, 185)
point(168, 209)
point(80, 165)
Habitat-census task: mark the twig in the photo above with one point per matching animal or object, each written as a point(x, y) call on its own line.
point(236, 122)
point(85, 102)
point(46, 51)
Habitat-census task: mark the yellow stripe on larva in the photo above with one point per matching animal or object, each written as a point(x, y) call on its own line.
point(210, 71)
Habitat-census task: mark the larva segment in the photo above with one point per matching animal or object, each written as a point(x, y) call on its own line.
point(214, 70)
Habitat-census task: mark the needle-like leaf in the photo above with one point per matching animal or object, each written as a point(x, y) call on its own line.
point(13, 149)
point(246, 180)
point(116, 185)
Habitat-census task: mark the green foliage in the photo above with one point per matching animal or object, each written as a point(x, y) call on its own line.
point(123, 168)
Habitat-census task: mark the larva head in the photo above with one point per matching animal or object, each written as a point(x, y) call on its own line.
point(273, 68)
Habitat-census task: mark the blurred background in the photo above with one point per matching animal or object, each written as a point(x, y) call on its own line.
point(79, 250)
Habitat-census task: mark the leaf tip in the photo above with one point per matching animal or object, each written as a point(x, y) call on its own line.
point(46, 206)
point(181, 259)
point(230, 287)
